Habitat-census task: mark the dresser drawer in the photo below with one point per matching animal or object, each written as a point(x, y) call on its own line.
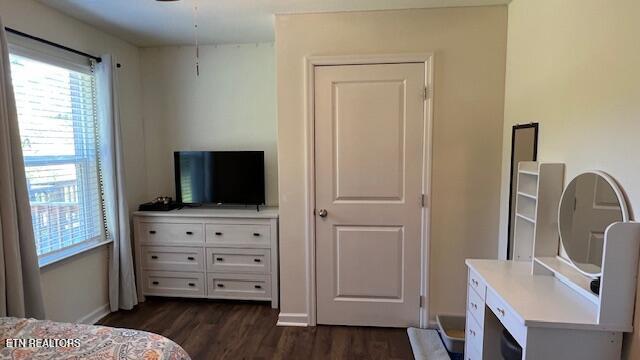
point(507, 317)
point(168, 283)
point(475, 305)
point(256, 261)
point(471, 353)
point(473, 333)
point(238, 235)
point(476, 283)
point(239, 286)
point(169, 233)
point(172, 258)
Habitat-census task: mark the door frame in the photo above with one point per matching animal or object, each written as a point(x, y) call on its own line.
point(310, 62)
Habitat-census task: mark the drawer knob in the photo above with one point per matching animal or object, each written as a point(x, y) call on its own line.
point(155, 283)
point(220, 285)
point(218, 233)
point(190, 258)
point(256, 234)
point(192, 284)
point(219, 259)
point(501, 311)
point(189, 232)
point(257, 286)
point(152, 231)
point(257, 260)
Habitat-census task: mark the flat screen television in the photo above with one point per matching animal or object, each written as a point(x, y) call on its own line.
point(219, 177)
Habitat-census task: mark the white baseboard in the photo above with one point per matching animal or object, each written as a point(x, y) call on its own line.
point(97, 314)
point(293, 319)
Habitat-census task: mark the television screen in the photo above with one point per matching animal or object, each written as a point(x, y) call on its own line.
point(219, 177)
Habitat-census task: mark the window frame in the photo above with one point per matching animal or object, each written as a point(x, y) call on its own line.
point(46, 54)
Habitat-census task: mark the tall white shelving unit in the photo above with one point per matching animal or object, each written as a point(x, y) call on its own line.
point(539, 187)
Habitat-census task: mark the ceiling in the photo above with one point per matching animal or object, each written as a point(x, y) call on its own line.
point(152, 23)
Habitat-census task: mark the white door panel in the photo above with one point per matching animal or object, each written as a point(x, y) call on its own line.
point(369, 128)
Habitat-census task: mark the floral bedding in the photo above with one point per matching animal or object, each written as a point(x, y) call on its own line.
point(53, 340)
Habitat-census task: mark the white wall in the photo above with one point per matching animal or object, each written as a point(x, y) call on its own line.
point(470, 48)
point(230, 106)
point(573, 66)
point(77, 287)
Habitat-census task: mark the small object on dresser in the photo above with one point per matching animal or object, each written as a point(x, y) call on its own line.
point(161, 203)
point(595, 286)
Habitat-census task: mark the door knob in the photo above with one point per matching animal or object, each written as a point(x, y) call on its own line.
point(322, 213)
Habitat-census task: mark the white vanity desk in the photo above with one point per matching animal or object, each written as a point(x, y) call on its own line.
point(544, 299)
point(547, 318)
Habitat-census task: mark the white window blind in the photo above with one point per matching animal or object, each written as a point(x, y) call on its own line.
point(56, 106)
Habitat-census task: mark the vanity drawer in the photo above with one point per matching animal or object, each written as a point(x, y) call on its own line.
point(476, 283)
point(172, 258)
point(238, 235)
point(471, 353)
point(168, 283)
point(475, 304)
point(473, 335)
point(168, 233)
point(257, 261)
point(239, 286)
point(507, 317)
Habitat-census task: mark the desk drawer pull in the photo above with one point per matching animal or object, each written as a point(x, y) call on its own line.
point(154, 257)
point(219, 259)
point(257, 260)
point(155, 283)
point(256, 234)
point(257, 286)
point(218, 233)
point(189, 232)
point(220, 285)
point(475, 306)
point(152, 231)
point(190, 258)
point(472, 332)
point(501, 311)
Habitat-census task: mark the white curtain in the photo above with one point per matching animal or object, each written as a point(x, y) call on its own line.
point(20, 287)
point(122, 286)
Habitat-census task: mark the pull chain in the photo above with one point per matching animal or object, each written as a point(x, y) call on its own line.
point(195, 28)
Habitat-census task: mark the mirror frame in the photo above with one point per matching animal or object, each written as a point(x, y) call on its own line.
point(623, 207)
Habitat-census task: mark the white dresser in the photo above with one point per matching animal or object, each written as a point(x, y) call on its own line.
point(208, 253)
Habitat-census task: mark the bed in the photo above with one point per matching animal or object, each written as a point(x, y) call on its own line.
point(83, 342)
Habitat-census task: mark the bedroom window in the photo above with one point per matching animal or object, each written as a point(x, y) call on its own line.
point(56, 103)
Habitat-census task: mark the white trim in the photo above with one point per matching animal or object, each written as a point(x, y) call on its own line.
point(293, 319)
point(94, 316)
point(310, 243)
point(71, 251)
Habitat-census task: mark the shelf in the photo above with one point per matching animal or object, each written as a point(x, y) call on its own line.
point(569, 276)
point(526, 218)
point(527, 195)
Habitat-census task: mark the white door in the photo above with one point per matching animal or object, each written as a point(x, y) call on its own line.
point(369, 130)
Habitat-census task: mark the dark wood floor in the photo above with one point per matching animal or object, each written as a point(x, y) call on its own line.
point(210, 329)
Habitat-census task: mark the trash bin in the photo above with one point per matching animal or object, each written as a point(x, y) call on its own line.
point(509, 347)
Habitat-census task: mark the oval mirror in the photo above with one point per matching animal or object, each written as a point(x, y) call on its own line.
point(589, 204)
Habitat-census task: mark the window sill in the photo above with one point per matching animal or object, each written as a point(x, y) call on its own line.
point(49, 259)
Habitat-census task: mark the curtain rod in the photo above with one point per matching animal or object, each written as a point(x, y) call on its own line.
point(51, 43)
